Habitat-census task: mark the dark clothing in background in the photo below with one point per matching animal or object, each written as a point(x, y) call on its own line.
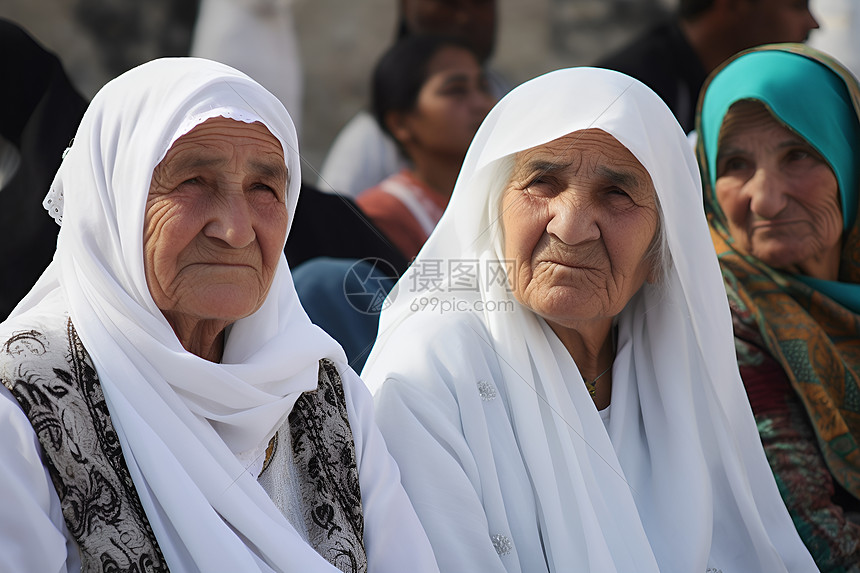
point(330, 225)
point(664, 61)
point(39, 113)
point(340, 291)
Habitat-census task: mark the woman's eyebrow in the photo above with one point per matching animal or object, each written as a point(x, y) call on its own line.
point(726, 151)
point(275, 169)
point(794, 142)
point(622, 179)
point(543, 166)
point(456, 78)
point(190, 162)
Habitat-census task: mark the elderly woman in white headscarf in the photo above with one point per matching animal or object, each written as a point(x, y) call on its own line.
point(167, 404)
point(555, 375)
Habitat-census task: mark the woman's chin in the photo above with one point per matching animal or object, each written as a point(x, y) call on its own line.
point(787, 258)
point(226, 302)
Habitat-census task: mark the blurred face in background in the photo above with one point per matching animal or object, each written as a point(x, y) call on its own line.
point(473, 21)
point(450, 107)
point(774, 21)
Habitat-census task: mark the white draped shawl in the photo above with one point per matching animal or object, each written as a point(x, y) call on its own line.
point(185, 423)
point(501, 449)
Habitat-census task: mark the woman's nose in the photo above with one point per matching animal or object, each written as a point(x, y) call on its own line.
point(232, 221)
point(767, 193)
point(572, 219)
point(811, 23)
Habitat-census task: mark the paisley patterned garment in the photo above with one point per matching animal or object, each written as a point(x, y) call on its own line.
point(824, 513)
point(54, 380)
point(817, 343)
point(323, 450)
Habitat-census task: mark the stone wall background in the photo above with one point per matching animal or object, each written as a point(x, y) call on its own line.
point(340, 41)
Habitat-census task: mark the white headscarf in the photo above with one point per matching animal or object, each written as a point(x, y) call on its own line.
point(181, 420)
point(678, 481)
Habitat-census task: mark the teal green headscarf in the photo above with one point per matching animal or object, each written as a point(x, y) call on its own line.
point(810, 94)
point(802, 93)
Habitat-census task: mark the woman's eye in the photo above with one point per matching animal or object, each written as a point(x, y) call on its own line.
point(618, 198)
point(732, 164)
point(262, 187)
point(799, 155)
point(540, 185)
point(456, 91)
point(191, 181)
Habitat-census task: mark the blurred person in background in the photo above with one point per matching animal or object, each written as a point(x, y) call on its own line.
point(362, 154)
point(257, 37)
point(39, 112)
point(839, 34)
point(674, 57)
point(430, 95)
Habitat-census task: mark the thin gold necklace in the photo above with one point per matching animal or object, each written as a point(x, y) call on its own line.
point(591, 385)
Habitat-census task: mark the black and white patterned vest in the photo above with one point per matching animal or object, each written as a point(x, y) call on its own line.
point(53, 378)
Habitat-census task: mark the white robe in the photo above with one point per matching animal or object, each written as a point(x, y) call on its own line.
point(502, 451)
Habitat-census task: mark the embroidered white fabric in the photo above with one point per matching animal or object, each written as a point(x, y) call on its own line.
point(53, 203)
point(486, 390)
point(280, 482)
point(502, 544)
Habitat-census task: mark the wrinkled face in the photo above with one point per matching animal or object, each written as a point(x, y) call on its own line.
point(215, 222)
point(780, 197)
point(473, 21)
point(579, 215)
point(773, 21)
point(451, 105)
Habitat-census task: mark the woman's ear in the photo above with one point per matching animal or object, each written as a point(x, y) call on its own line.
point(397, 123)
point(652, 275)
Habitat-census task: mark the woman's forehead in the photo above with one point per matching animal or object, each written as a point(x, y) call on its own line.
point(215, 142)
point(747, 116)
point(577, 142)
point(228, 128)
point(592, 146)
point(219, 135)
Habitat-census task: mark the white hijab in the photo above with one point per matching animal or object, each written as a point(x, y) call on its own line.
point(181, 420)
point(678, 481)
